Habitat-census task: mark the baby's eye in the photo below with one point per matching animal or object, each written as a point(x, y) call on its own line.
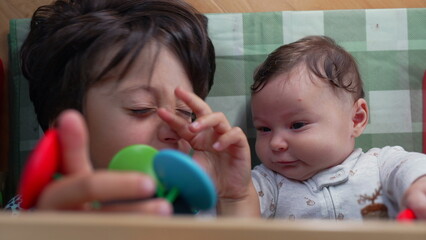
point(143, 111)
point(263, 129)
point(190, 116)
point(297, 125)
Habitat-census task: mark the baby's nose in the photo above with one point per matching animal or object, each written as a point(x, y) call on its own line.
point(278, 144)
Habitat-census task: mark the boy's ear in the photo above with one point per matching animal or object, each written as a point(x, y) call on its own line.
point(359, 117)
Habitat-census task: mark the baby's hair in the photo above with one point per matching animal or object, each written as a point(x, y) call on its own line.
point(321, 56)
point(69, 40)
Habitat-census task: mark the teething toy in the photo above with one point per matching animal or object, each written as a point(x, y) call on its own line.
point(175, 173)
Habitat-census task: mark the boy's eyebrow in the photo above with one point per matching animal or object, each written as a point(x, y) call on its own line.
point(145, 88)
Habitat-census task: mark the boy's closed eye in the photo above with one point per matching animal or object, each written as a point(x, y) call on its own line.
point(187, 115)
point(143, 111)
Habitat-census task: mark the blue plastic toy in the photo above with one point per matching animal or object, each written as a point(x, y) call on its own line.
point(179, 179)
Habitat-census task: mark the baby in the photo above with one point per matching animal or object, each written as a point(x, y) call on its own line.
point(308, 108)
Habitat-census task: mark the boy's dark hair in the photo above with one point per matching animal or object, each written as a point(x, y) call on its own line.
point(69, 38)
point(321, 56)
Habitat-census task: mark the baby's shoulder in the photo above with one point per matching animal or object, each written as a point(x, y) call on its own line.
point(378, 152)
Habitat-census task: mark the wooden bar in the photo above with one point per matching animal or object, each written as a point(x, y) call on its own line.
point(42, 226)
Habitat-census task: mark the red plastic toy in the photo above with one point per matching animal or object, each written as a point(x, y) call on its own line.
point(406, 216)
point(41, 167)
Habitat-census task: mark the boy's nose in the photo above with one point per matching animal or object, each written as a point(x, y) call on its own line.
point(278, 144)
point(167, 134)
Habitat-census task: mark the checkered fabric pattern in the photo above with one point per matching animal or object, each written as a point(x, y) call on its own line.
point(389, 45)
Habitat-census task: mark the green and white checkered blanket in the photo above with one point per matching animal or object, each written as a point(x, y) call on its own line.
point(389, 45)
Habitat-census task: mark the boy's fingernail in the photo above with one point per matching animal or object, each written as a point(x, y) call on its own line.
point(195, 125)
point(164, 208)
point(216, 145)
point(147, 185)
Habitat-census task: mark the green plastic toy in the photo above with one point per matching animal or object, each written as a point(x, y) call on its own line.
point(175, 174)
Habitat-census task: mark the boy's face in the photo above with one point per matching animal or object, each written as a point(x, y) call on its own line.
point(124, 113)
point(302, 126)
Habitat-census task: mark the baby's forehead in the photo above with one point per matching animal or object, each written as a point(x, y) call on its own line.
point(301, 76)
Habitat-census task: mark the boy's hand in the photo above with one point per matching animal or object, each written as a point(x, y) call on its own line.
point(222, 150)
point(415, 198)
point(81, 186)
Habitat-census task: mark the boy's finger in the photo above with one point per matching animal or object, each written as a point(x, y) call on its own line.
point(194, 102)
point(74, 142)
point(216, 120)
point(177, 123)
point(104, 186)
point(234, 137)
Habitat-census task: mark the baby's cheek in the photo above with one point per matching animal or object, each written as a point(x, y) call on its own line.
point(316, 152)
point(262, 144)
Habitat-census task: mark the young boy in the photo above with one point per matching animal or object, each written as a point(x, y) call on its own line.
point(308, 107)
point(135, 72)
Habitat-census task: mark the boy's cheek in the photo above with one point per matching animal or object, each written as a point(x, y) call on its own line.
point(184, 146)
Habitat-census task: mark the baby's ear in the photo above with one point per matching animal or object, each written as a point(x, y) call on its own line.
point(359, 117)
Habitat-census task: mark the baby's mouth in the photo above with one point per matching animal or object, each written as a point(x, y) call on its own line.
point(286, 162)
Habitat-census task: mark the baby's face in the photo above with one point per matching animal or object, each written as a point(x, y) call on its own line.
point(125, 113)
point(302, 126)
